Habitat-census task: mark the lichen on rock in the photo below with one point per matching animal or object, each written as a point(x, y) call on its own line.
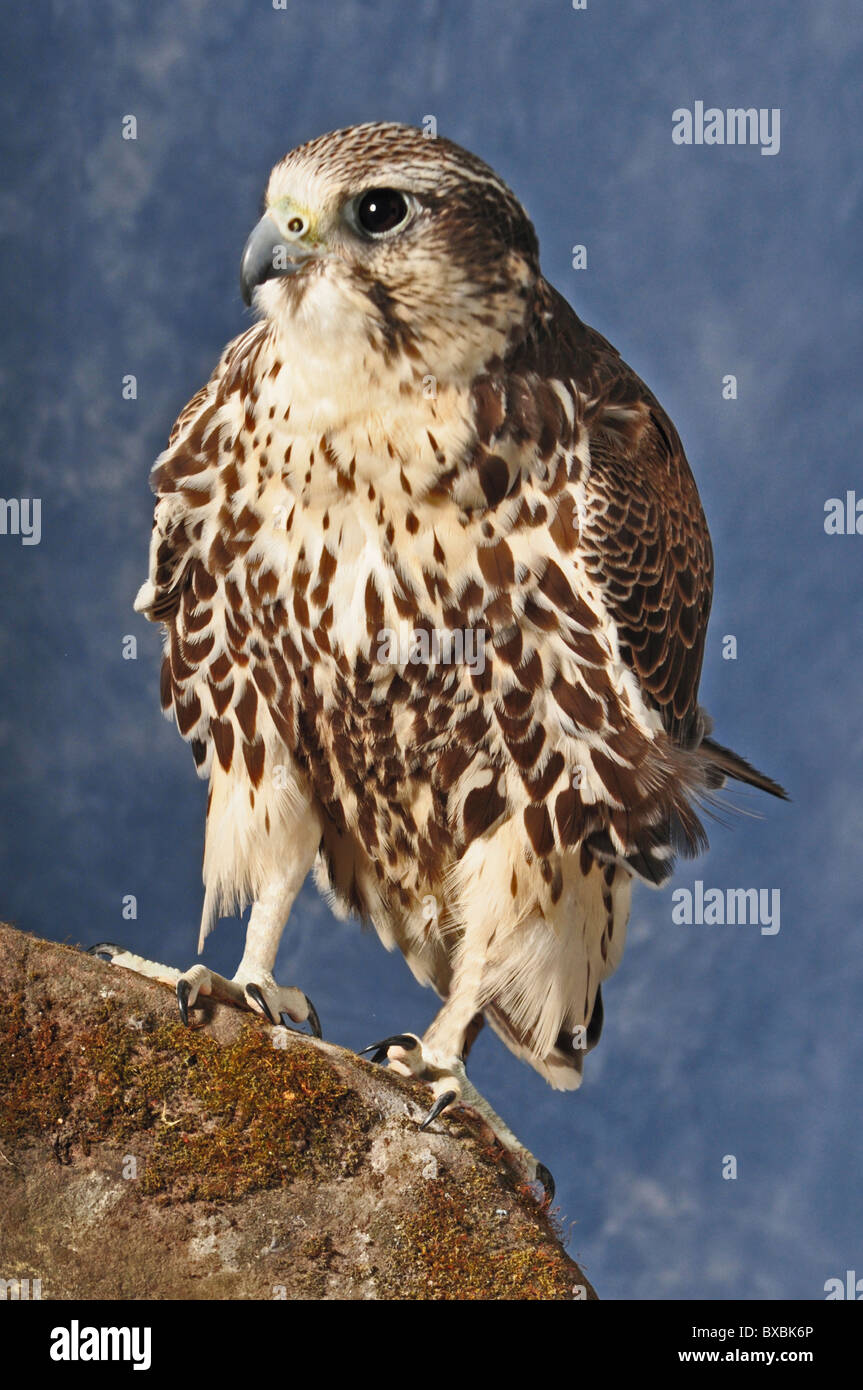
point(140, 1159)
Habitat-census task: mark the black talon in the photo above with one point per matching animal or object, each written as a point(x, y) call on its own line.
point(106, 948)
point(254, 991)
point(544, 1177)
point(440, 1104)
point(312, 1018)
point(184, 989)
point(397, 1040)
point(314, 1021)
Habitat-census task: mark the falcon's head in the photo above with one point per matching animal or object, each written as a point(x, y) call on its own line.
point(379, 237)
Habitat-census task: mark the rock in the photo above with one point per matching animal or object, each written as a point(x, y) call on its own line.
point(143, 1160)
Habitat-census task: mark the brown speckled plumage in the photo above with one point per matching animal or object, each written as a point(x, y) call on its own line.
point(423, 436)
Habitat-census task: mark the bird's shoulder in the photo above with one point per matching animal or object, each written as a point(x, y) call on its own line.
point(183, 476)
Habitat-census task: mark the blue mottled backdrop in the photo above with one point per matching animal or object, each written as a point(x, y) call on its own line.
point(121, 257)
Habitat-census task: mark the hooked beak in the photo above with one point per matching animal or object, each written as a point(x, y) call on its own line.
point(268, 254)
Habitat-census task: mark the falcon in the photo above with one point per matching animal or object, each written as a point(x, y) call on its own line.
point(434, 579)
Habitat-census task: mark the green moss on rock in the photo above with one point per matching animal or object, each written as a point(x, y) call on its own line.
point(36, 1078)
point(259, 1167)
point(449, 1248)
point(262, 1115)
point(219, 1120)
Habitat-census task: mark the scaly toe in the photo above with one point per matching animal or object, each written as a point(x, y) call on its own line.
point(193, 982)
point(280, 1003)
point(311, 1018)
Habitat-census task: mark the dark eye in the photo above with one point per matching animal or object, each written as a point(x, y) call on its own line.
point(381, 210)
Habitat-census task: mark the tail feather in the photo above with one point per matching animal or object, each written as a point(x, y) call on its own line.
point(722, 763)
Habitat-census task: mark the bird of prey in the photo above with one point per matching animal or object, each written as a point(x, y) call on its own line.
point(435, 580)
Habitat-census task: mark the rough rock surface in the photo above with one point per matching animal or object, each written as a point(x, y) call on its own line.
point(143, 1160)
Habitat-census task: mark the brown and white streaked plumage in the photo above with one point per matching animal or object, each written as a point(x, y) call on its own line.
point(419, 433)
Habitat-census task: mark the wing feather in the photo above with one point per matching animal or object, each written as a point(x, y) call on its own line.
point(645, 539)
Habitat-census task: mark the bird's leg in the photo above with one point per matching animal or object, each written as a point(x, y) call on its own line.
point(253, 985)
point(438, 1059)
point(254, 975)
point(475, 1027)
